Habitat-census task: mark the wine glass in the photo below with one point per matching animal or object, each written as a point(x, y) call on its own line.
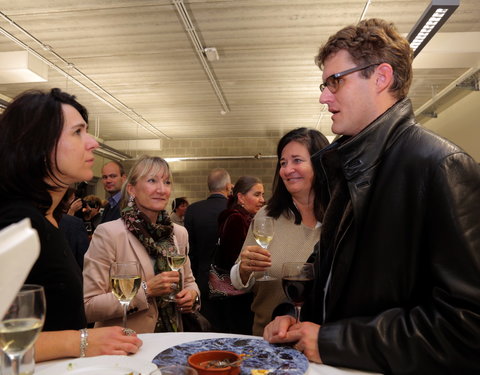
point(22, 323)
point(177, 370)
point(175, 261)
point(263, 229)
point(297, 281)
point(125, 280)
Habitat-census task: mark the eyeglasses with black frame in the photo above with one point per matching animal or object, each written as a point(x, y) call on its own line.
point(333, 81)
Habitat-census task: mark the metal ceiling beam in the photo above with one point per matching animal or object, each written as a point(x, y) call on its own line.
point(452, 86)
point(119, 106)
point(200, 50)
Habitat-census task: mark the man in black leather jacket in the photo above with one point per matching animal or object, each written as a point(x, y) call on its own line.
point(397, 286)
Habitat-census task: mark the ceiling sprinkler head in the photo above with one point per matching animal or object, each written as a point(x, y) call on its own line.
point(211, 54)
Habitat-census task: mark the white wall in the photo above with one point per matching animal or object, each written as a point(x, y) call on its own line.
point(460, 123)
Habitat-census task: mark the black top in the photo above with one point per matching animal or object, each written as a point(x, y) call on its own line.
point(76, 235)
point(55, 269)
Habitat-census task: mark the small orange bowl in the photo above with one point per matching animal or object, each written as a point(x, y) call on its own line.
point(199, 362)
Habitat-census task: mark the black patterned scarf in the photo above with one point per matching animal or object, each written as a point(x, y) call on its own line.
point(156, 238)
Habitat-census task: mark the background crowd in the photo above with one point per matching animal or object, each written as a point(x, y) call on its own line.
point(388, 214)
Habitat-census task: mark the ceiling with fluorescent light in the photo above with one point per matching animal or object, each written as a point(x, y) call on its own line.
point(133, 65)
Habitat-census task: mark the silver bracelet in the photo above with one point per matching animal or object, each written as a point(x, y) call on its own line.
point(83, 342)
point(144, 286)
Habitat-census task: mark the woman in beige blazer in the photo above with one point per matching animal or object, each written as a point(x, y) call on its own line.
point(133, 237)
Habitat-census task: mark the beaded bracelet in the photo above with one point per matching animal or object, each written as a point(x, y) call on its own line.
point(83, 341)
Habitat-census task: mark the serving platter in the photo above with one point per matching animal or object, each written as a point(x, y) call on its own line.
point(260, 354)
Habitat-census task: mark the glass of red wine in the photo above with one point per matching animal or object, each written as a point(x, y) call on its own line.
point(297, 282)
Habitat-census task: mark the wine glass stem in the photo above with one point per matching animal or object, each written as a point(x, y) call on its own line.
point(265, 274)
point(125, 307)
point(15, 364)
point(298, 309)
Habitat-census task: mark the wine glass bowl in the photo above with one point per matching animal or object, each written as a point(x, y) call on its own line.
point(22, 323)
point(125, 280)
point(297, 282)
point(263, 230)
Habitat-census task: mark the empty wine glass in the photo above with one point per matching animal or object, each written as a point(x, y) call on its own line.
point(22, 324)
point(263, 229)
point(297, 281)
point(125, 280)
point(175, 261)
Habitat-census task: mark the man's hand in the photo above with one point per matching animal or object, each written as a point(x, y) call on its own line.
point(284, 329)
point(276, 330)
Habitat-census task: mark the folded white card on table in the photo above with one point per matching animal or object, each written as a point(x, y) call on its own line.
point(19, 249)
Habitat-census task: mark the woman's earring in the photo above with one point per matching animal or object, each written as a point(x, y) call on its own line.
point(131, 201)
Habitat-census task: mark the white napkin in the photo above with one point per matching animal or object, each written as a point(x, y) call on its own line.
point(19, 249)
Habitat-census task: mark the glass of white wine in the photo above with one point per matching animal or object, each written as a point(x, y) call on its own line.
point(175, 260)
point(263, 229)
point(125, 280)
point(22, 323)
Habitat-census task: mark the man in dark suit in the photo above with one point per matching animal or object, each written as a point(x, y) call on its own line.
point(201, 223)
point(113, 177)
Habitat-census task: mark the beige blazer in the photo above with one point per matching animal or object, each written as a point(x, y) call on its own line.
point(112, 242)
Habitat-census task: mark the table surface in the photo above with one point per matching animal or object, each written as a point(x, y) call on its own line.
point(154, 343)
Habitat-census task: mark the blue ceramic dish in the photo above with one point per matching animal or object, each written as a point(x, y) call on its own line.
point(262, 355)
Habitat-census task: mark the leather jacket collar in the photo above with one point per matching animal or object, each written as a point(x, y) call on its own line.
point(363, 151)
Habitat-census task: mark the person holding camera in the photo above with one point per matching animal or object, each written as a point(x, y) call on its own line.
point(91, 213)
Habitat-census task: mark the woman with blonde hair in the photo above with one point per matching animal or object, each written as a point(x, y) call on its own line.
point(143, 233)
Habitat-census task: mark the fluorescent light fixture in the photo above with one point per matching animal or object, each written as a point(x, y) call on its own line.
point(22, 67)
point(430, 22)
point(137, 144)
point(111, 153)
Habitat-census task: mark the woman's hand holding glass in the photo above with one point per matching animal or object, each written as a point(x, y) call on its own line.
point(176, 260)
point(185, 300)
point(263, 230)
point(163, 283)
point(254, 259)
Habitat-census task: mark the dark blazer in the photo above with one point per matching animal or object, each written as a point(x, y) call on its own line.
point(201, 220)
point(55, 269)
point(111, 213)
